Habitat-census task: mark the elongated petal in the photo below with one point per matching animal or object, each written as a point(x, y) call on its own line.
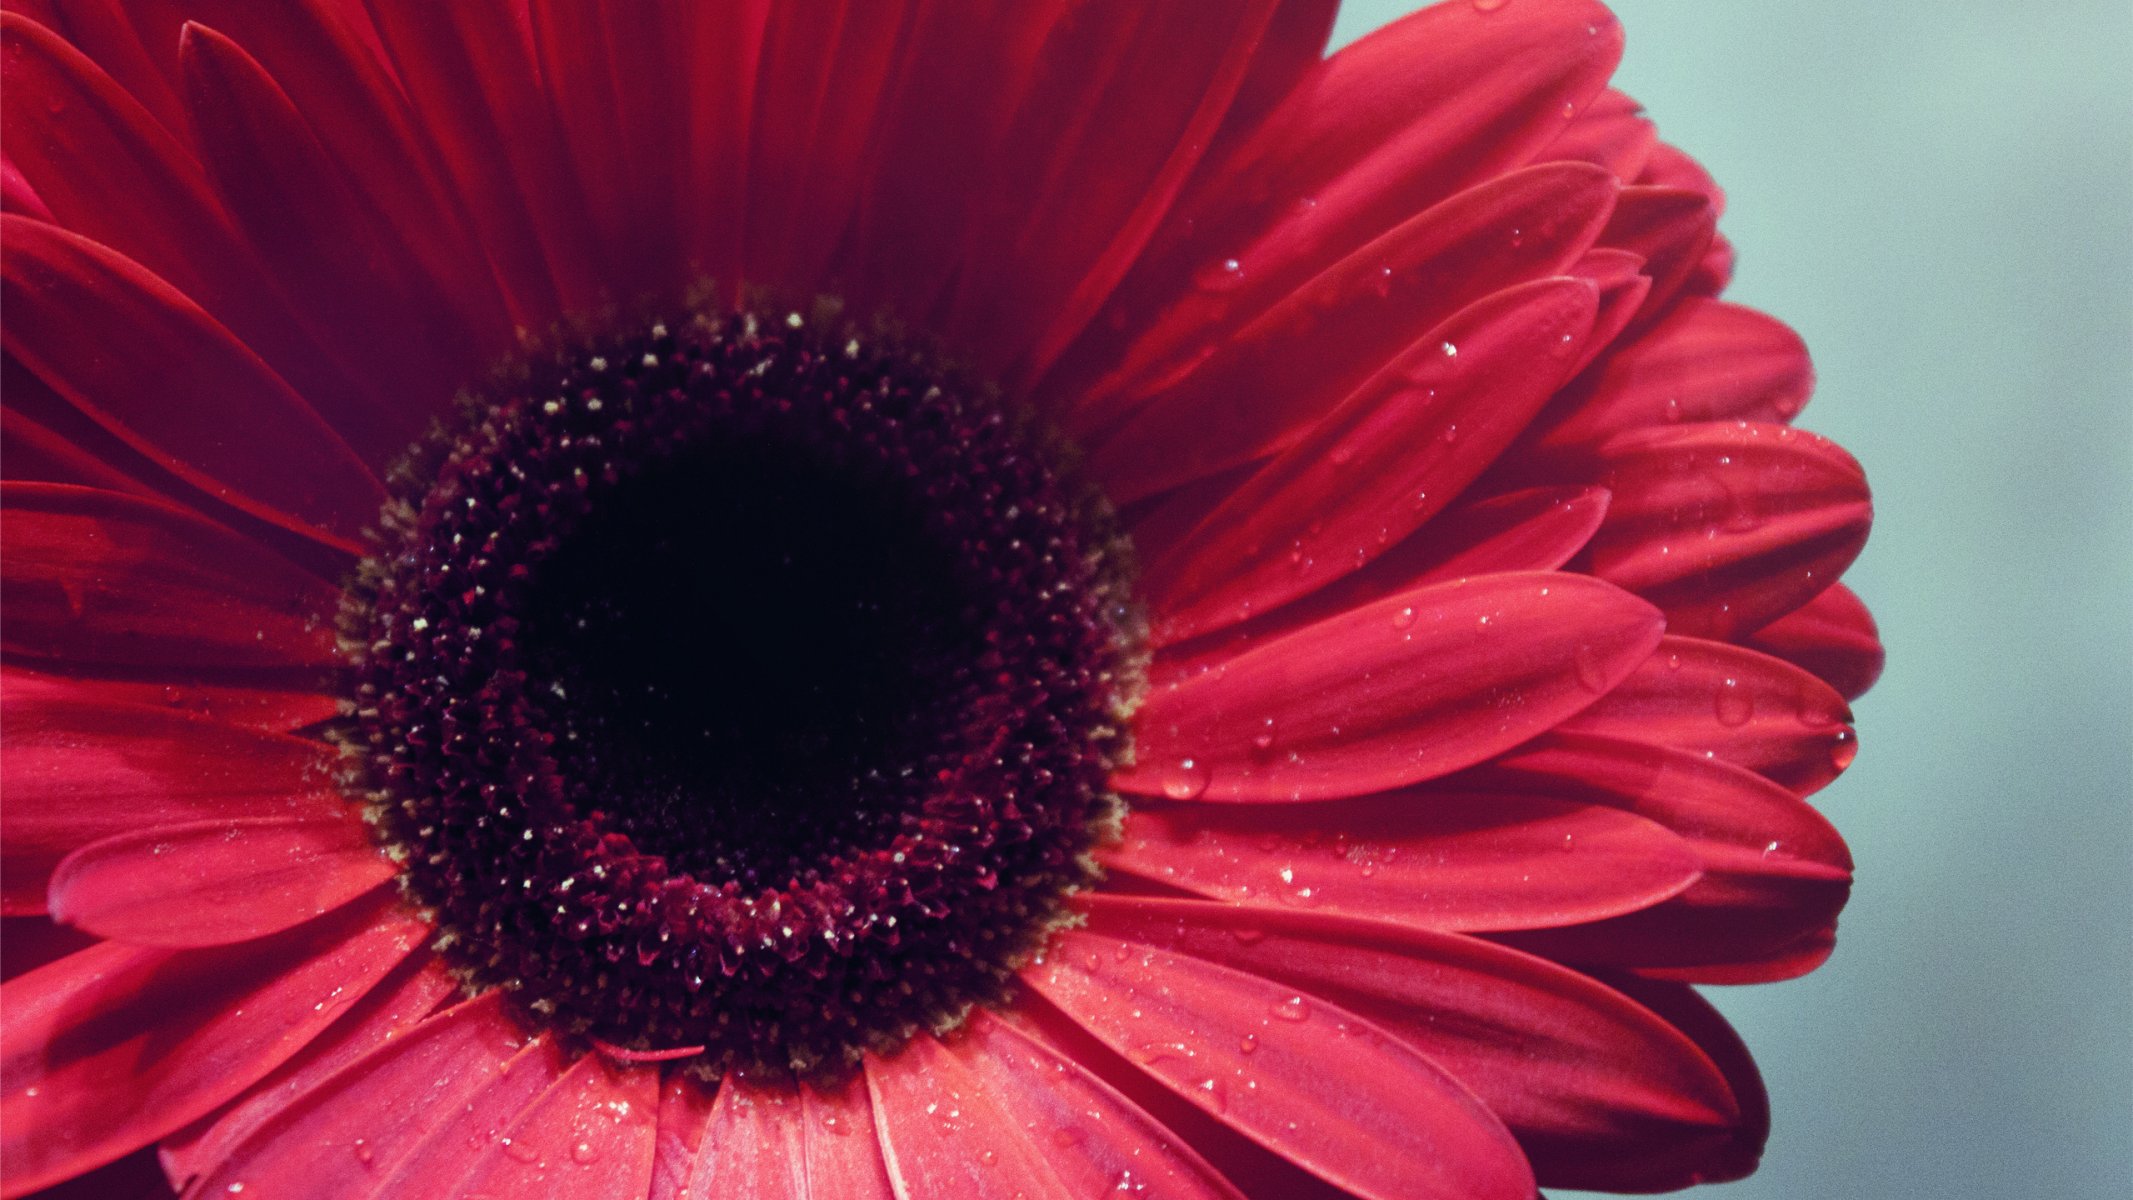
point(1833, 636)
point(1424, 857)
point(1572, 1066)
point(1387, 127)
point(943, 1133)
point(685, 1106)
point(1775, 873)
point(214, 882)
point(1314, 1082)
point(1536, 529)
point(1378, 467)
point(116, 1046)
point(1400, 690)
point(100, 578)
point(588, 1137)
point(1745, 708)
point(183, 388)
point(1669, 228)
point(780, 1142)
point(192, 691)
point(370, 1115)
point(388, 1011)
point(1271, 373)
point(1093, 1138)
point(75, 773)
point(1707, 361)
point(1728, 527)
point(1611, 132)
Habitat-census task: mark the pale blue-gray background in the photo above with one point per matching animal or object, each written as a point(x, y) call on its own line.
point(1939, 195)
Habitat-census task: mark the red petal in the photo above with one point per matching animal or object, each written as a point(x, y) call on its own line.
point(1746, 708)
point(1423, 857)
point(1376, 468)
point(1833, 636)
point(215, 882)
point(75, 773)
point(1273, 369)
point(1538, 529)
point(1612, 133)
point(1122, 109)
point(1400, 690)
point(1775, 873)
point(323, 242)
point(1655, 1169)
point(1305, 1078)
point(386, 1012)
point(96, 578)
point(1728, 527)
point(721, 46)
point(961, 77)
point(1573, 1067)
point(1669, 228)
point(188, 691)
point(1294, 44)
point(588, 1137)
point(685, 1105)
point(368, 1117)
point(1096, 1140)
point(1401, 119)
point(466, 1134)
point(775, 1142)
point(184, 390)
point(819, 86)
point(469, 72)
point(117, 1046)
point(112, 174)
point(1707, 361)
point(112, 34)
point(16, 194)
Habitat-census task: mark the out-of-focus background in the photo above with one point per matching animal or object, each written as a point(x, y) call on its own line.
point(1938, 194)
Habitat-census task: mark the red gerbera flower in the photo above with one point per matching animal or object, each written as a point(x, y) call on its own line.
point(1019, 599)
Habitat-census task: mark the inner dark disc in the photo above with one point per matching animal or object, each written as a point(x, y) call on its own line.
point(744, 689)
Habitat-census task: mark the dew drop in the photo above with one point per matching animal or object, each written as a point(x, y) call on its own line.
point(1450, 350)
point(1405, 618)
point(1734, 704)
point(520, 1150)
point(1381, 283)
point(1295, 1008)
point(1248, 1043)
point(1187, 781)
point(584, 1153)
point(364, 1154)
point(1843, 749)
point(1226, 275)
point(1591, 669)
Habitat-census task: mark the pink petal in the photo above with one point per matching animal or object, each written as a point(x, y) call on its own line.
point(1424, 857)
point(1311, 1081)
point(1095, 1139)
point(214, 882)
point(1611, 132)
point(588, 1137)
point(184, 386)
point(685, 1105)
point(1272, 373)
point(1379, 466)
point(1728, 527)
point(1707, 361)
point(1400, 690)
point(96, 578)
point(784, 1142)
point(1670, 228)
point(117, 1046)
point(388, 1011)
point(1746, 708)
point(1775, 873)
point(1537, 529)
point(1572, 1066)
point(76, 773)
point(1398, 121)
point(463, 1134)
point(190, 691)
point(1833, 636)
point(369, 1116)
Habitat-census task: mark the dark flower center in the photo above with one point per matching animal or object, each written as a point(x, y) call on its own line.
point(743, 690)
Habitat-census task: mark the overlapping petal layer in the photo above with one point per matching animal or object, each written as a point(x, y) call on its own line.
point(1495, 618)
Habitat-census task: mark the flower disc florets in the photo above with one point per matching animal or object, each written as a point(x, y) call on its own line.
point(742, 688)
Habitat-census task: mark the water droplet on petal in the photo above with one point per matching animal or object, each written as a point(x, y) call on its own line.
point(584, 1153)
point(1186, 781)
point(1405, 618)
point(1590, 668)
point(1295, 1008)
point(1226, 275)
point(1734, 704)
point(1843, 749)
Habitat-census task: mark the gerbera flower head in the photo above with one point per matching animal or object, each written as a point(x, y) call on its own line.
point(861, 600)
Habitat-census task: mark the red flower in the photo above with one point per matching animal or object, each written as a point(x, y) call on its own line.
point(1376, 498)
